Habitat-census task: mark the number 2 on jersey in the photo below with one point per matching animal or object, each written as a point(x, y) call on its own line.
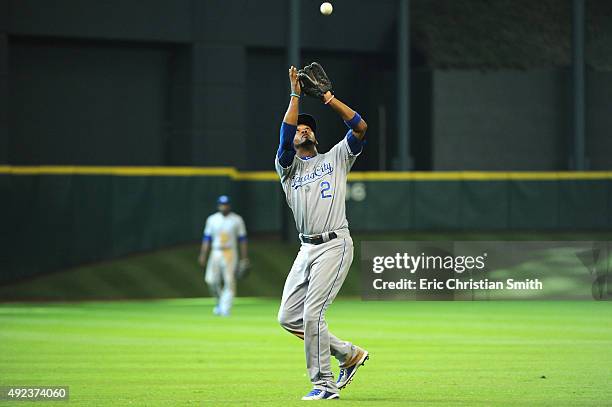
point(324, 188)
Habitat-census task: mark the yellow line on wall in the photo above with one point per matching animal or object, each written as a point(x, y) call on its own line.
point(479, 176)
point(234, 174)
point(120, 171)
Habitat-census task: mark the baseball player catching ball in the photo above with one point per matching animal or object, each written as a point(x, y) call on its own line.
point(315, 187)
point(222, 231)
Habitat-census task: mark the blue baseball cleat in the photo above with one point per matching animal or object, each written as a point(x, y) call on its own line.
point(318, 394)
point(347, 373)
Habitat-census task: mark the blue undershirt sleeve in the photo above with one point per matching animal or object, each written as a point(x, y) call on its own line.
point(352, 123)
point(286, 152)
point(354, 143)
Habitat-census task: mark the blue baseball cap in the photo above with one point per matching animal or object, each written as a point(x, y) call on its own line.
point(223, 200)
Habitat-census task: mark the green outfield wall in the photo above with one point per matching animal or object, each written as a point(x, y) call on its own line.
point(56, 217)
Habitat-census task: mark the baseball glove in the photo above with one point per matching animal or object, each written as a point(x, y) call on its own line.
point(243, 269)
point(314, 80)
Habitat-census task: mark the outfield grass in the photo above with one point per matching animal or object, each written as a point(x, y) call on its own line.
point(175, 352)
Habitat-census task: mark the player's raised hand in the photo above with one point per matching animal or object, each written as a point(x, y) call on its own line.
point(293, 79)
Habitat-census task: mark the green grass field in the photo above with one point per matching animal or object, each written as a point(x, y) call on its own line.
point(175, 352)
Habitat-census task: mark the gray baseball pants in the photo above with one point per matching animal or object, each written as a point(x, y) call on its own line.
point(315, 278)
point(220, 276)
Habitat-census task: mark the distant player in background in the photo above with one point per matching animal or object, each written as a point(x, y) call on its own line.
point(315, 188)
point(223, 233)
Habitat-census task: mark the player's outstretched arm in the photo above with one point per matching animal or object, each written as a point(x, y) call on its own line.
point(286, 152)
point(350, 117)
point(291, 115)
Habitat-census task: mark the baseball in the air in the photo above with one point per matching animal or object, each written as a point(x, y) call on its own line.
point(326, 8)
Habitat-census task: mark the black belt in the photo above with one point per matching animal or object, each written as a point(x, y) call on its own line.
point(317, 239)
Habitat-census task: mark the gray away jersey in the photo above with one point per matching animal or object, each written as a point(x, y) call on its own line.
point(316, 189)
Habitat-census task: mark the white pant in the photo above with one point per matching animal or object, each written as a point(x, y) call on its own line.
point(220, 276)
point(315, 278)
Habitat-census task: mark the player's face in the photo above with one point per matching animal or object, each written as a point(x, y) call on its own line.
point(224, 209)
point(304, 136)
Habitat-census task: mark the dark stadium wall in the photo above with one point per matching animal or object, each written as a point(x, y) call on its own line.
point(153, 20)
point(173, 83)
point(599, 120)
point(516, 120)
point(501, 120)
point(4, 77)
point(203, 83)
point(5, 181)
point(95, 104)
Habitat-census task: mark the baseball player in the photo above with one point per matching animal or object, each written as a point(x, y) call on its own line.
point(315, 186)
point(222, 231)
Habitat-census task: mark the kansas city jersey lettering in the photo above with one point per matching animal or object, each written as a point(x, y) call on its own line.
point(317, 173)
